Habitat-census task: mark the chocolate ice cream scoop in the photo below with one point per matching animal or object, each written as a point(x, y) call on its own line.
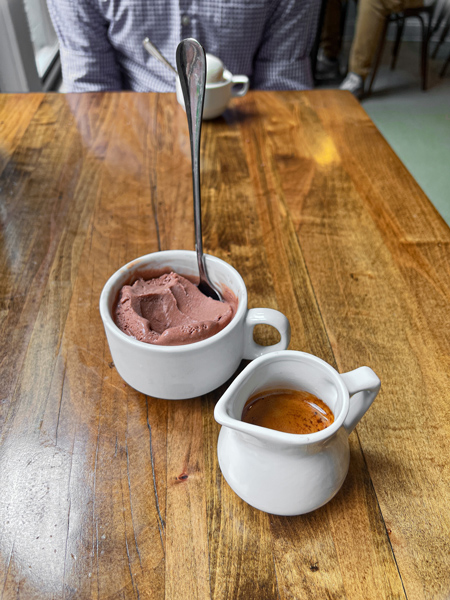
point(170, 310)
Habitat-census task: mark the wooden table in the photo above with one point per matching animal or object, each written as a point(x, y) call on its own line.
point(305, 198)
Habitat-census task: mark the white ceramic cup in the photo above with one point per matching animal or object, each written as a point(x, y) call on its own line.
point(219, 94)
point(214, 69)
point(178, 372)
point(286, 473)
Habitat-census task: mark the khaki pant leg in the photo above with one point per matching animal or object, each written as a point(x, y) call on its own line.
point(369, 25)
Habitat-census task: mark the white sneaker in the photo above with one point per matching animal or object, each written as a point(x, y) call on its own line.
point(353, 83)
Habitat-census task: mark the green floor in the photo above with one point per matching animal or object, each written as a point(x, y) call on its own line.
point(415, 123)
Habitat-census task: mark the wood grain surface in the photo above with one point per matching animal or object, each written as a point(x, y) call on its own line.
point(106, 493)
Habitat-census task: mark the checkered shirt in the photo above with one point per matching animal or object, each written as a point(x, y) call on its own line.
point(101, 40)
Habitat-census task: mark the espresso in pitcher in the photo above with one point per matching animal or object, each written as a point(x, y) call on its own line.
point(291, 411)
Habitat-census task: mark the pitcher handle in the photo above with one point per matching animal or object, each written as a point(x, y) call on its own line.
point(265, 316)
point(363, 386)
point(240, 91)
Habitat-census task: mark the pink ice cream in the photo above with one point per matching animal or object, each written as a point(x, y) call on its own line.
point(171, 311)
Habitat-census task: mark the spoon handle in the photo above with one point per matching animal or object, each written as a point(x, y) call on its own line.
point(153, 50)
point(191, 65)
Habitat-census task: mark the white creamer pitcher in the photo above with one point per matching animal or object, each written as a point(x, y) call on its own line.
point(286, 473)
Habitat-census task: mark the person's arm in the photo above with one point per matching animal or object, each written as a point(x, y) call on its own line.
point(88, 60)
point(283, 58)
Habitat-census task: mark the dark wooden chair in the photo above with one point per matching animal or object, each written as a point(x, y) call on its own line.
point(315, 48)
point(442, 23)
point(425, 16)
point(317, 39)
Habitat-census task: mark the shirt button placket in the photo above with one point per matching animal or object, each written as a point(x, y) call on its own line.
point(185, 18)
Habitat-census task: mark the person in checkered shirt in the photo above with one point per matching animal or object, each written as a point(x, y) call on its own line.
point(101, 49)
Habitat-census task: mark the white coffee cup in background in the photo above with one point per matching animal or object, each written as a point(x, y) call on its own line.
point(220, 87)
point(214, 69)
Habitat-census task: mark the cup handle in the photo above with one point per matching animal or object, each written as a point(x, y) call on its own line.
point(363, 386)
point(242, 80)
point(265, 316)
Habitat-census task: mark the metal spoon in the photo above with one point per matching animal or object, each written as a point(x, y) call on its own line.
point(191, 65)
point(153, 50)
